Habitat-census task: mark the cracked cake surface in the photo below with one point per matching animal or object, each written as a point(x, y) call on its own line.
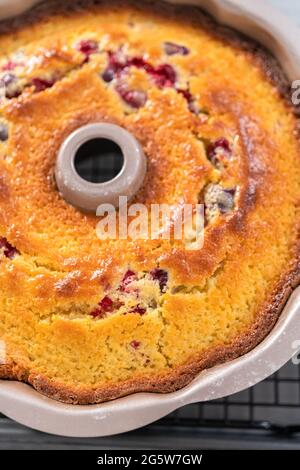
point(85, 320)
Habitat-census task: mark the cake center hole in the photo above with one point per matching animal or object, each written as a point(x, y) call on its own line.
point(99, 160)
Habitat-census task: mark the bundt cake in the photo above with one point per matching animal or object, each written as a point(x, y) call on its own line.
point(86, 320)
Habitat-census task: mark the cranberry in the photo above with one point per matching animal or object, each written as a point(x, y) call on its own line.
point(185, 93)
point(3, 132)
point(215, 150)
point(97, 313)
point(171, 49)
point(163, 75)
point(134, 98)
point(193, 108)
point(135, 344)
point(10, 65)
point(87, 47)
point(8, 250)
point(138, 309)
point(105, 306)
point(117, 62)
point(223, 143)
point(161, 276)
point(128, 278)
point(41, 84)
point(140, 63)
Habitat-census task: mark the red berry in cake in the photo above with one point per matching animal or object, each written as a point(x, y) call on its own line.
point(97, 313)
point(87, 47)
point(135, 344)
point(222, 143)
point(171, 48)
point(163, 75)
point(161, 276)
point(117, 62)
point(139, 310)
point(10, 65)
point(105, 306)
point(128, 278)
point(41, 84)
point(134, 98)
point(192, 106)
point(218, 150)
point(140, 63)
point(8, 250)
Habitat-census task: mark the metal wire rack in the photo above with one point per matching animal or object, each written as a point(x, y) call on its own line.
point(272, 405)
point(95, 166)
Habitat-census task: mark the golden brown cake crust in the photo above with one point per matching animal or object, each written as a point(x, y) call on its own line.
point(190, 268)
point(170, 382)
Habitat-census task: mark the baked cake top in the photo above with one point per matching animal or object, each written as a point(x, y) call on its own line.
point(86, 320)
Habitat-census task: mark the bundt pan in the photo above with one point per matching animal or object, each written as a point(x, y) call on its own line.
point(23, 404)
